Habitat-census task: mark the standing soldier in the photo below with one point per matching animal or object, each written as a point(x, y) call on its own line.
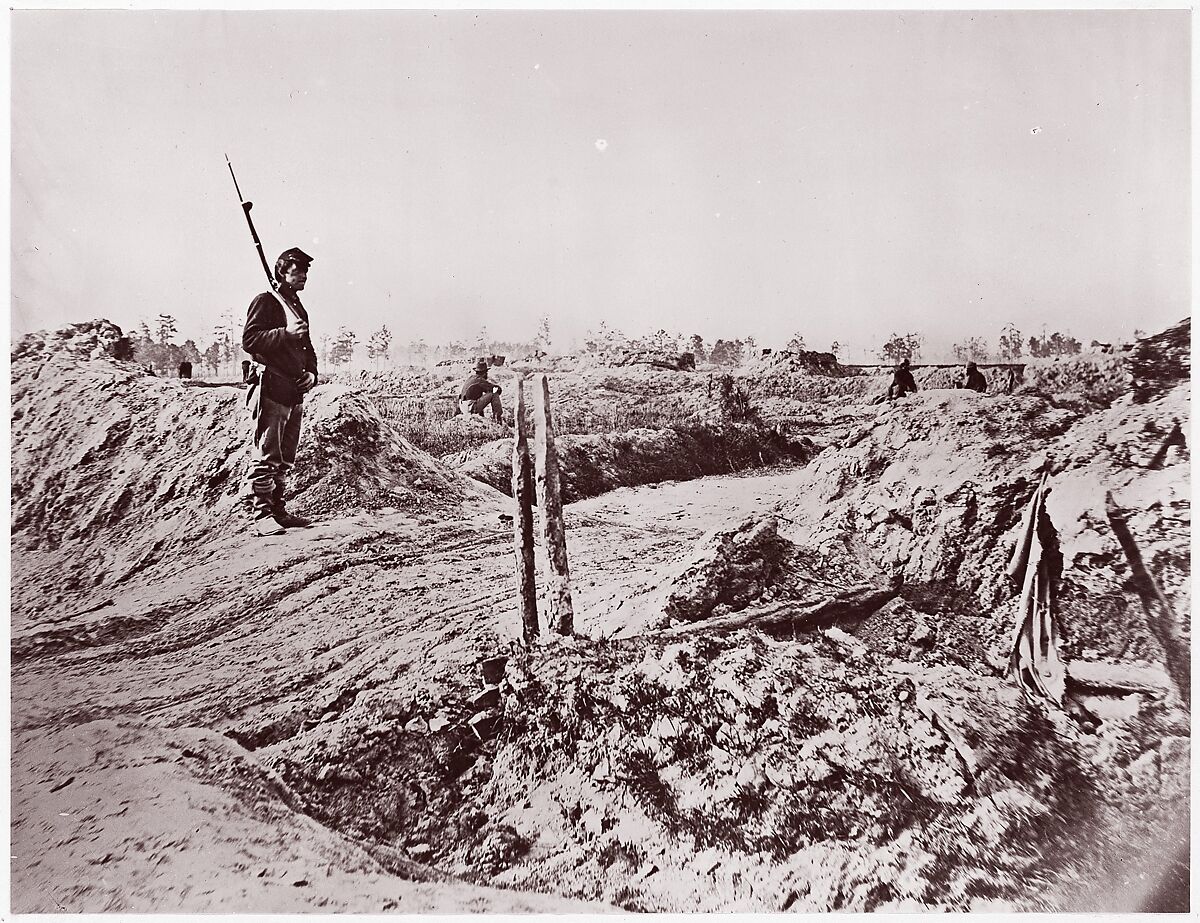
point(276, 335)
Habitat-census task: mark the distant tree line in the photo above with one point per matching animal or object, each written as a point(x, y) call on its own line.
point(606, 340)
point(155, 344)
point(156, 347)
point(1010, 347)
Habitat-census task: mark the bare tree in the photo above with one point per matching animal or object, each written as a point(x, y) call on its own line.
point(342, 350)
point(901, 347)
point(972, 349)
point(379, 346)
point(1010, 344)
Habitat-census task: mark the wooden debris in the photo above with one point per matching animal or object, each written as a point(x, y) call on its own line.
point(1174, 438)
point(855, 603)
point(522, 489)
point(1160, 616)
point(1117, 678)
point(550, 502)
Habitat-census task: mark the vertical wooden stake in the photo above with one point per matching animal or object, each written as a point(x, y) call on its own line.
point(562, 616)
point(522, 487)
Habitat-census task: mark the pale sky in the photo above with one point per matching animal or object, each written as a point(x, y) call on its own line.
point(840, 174)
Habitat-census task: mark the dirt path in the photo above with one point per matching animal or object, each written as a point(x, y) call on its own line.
point(129, 796)
point(121, 816)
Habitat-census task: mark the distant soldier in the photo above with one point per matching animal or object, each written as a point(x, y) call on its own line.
point(902, 381)
point(276, 335)
point(478, 393)
point(973, 379)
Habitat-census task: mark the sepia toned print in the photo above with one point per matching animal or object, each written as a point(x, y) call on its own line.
point(511, 461)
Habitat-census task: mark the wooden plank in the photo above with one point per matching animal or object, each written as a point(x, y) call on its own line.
point(854, 603)
point(562, 616)
point(1120, 678)
point(1160, 616)
point(522, 485)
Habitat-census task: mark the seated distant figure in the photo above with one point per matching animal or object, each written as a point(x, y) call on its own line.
point(972, 379)
point(902, 381)
point(478, 394)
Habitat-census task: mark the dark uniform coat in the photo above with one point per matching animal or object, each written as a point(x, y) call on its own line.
point(476, 386)
point(903, 382)
point(286, 360)
point(975, 381)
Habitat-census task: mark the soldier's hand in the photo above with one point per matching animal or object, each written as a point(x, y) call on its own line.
point(297, 329)
point(306, 382)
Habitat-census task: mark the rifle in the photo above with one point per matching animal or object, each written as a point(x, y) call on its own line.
point(246, 206)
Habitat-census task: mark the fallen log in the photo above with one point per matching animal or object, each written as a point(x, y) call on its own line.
point(1117, 678)
point(400, 865)
point(858, 602)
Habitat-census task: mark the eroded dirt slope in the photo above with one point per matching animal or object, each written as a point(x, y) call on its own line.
point(304, 713)
point(591, 465)
point(932, 492)
point(114, 470)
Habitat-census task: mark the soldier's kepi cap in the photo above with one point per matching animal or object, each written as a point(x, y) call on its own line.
point(294, 255)
point(481, 365)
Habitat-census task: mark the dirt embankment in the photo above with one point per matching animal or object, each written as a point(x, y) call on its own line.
point(616, 427)
point(595, 464)
point(115, 470)
point(308, 713)
point(1161, 361)
point(713, 773)
point(583, 399)
point(924, 501)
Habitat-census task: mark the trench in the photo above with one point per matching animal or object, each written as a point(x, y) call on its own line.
point(445, 799)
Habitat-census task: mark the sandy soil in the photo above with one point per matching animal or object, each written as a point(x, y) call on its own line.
point(135, 801)
point(120, 815)
point(207, 721)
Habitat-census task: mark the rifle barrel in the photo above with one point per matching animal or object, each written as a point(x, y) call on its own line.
point(235, 182)
point(246, 206)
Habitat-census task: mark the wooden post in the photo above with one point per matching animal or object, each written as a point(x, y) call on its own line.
point(562, 616)
point(522, 486)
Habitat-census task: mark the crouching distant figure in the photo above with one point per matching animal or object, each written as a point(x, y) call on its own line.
point(478, 394)
point(902, 381)
point(972, 379)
